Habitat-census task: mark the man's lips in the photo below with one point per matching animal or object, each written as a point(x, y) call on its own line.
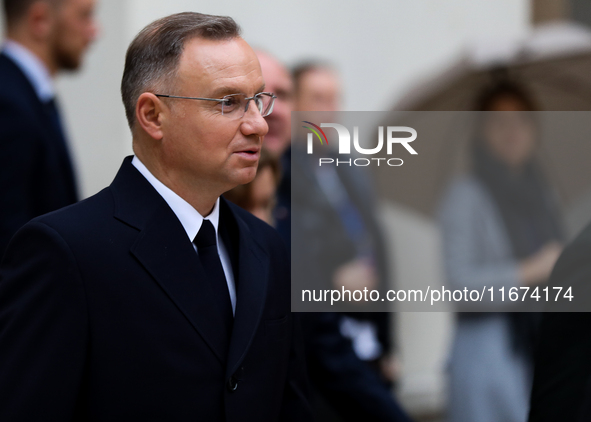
point(252, 153)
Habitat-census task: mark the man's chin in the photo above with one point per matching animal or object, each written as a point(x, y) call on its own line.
point(244, 176)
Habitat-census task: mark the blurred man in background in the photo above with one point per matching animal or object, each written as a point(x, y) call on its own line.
point(318, 87)
point(277, 80)
point(346, 205)
point(277, 141)
point(346, 388)
point(43, 38)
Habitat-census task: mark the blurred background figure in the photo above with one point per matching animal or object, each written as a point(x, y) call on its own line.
point(345, 210)
point(317, 87)
point(278, 81)
point(277, 141)
point(43, 38)
point(259, 196)
point(335, 215)
point(500, 227)
point(345, 387)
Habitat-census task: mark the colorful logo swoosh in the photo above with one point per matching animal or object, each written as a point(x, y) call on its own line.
point(316, 130)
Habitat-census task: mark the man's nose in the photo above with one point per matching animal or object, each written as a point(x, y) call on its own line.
point(253, 122)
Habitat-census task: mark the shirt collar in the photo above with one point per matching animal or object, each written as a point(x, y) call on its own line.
point(189, 217)
point(34, 69)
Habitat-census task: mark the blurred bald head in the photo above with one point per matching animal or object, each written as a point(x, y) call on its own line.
point(277, 80)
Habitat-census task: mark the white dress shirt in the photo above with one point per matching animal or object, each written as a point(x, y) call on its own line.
point(191, 221)
point(33, 68)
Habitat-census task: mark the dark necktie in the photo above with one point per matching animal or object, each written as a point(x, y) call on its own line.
point(210, 260)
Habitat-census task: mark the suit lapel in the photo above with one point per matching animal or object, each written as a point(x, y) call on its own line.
point(164, 250)
point(251, 290)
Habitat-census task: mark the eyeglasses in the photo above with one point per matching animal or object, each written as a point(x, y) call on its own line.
point(235, 106)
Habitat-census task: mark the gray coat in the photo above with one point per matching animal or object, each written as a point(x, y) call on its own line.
point(488, 381)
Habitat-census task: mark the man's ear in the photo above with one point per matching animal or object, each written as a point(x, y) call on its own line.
point(149, 113)
point(40, 19)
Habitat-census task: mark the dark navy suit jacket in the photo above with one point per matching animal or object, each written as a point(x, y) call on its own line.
point(35, 170)
point(352, 388)
point(105, 316)
point(562, 377)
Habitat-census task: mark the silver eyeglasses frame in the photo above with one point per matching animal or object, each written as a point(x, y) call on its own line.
point(225, 98)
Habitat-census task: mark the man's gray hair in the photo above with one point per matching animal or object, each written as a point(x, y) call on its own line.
point(153, 57)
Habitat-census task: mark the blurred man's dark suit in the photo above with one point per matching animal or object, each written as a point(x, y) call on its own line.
point(106, 315)
point(36, 174)
point(350, 387)
point(321, 243)
point(562, 379)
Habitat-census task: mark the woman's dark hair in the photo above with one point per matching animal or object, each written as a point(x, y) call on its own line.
point(242, 195)
point(502, 89)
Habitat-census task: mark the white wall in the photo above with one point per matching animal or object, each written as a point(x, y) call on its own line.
point(380, 46)
point(422, 338)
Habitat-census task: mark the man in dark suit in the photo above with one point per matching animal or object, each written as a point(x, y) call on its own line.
point(156, 299)
point(36, 175)
point(562, 375)
point(343, 383)
point(336, 211)
point(278, 140)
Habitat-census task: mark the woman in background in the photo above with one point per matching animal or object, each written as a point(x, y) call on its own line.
point(500, 229)
point(258, 197)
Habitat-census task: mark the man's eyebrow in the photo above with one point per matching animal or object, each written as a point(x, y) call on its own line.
point(220, 92)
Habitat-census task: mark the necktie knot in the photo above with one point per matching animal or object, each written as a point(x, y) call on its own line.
point(206, 236)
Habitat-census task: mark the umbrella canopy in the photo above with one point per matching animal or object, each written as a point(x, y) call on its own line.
point(554, 64)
